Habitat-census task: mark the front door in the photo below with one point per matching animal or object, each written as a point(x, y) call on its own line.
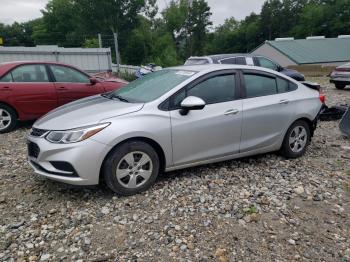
point(72, 85)
point(212, 132)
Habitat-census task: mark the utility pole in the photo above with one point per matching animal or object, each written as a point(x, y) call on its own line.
point(99, 40)
point(116, 50)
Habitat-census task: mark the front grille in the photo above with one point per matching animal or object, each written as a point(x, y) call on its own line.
point(38, 132)
point(33, 150)
point(40, 168)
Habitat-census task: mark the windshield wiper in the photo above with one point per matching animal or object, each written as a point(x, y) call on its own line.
point(112, 96)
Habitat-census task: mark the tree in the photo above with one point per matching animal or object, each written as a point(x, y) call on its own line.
point(198, 22)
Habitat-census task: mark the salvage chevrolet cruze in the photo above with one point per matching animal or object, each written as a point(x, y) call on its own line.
point(172, 119)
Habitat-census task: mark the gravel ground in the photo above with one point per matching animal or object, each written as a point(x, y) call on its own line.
point(263, 208)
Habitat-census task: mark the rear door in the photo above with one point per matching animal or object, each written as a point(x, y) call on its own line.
point(29, 90)
point(71, 84)
point(267, 110)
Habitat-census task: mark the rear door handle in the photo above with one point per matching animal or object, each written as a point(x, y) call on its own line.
point(62, 88)
point(231, 112)
point(284, 102)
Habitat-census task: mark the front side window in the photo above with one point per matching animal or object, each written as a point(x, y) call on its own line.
point(65, 74)
point(217, 89)
point(153, 86)
point(267, 63)
point(6, 78)
point(29, 73)
point(259, 85)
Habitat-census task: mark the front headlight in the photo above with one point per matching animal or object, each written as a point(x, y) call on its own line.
point(75, 135)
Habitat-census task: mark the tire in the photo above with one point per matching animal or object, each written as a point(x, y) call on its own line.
point(339, 86)
point(290, 149)
point(123, 173)
point(8, 119)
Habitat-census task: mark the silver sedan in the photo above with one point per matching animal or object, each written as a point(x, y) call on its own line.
point(172, 119)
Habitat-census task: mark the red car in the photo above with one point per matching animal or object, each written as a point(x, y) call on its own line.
point(29, 90)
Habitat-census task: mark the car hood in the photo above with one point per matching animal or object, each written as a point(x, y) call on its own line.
point(85, 112)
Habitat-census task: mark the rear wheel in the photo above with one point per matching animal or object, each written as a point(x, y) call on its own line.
point(8, 119)
point(296, 140)
point(339, 86)
point(131, 168)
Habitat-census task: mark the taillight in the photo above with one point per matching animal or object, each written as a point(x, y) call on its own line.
point(322, 97)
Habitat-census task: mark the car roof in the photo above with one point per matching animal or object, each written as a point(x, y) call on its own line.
point(218, 57)
point(216, 67)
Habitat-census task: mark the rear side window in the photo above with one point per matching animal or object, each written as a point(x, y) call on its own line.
point(285, 85)
point(282, 85)
point(263, 62)
point(228, 61)
point(259, 85)
point(30, 73)
point(241, 60)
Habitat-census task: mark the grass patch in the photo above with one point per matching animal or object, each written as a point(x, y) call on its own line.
point(251, 210)
point(347, 173)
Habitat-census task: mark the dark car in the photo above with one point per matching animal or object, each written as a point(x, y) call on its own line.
point(340, 77)
point(29, 90)
point(245, 59)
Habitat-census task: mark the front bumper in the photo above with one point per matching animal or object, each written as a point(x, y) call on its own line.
point(76, 163)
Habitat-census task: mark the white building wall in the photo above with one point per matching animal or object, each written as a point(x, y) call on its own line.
point(87, 59)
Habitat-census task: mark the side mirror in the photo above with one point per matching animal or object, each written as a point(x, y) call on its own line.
point(280, 68)
point(191, 103)
point(93, 81)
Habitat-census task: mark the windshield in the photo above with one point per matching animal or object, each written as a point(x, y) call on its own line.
point(200, 61)
point(151, 86)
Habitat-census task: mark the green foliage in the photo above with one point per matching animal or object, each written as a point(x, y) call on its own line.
point(91, 43)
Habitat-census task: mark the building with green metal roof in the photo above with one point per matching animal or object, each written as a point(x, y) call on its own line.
point(316, 50)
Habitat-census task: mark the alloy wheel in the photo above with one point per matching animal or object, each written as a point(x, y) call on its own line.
point(5, 119)
point(134, 169)
point(298, 139)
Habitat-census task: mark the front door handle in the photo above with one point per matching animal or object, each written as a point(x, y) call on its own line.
point(284, 101)
point(231, 112)
point(62, 88)
point(6, 88)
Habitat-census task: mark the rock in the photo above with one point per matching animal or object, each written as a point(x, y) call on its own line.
point(221, 255)
point(183, 248)
point(299, 190)
point(105, 210)
point(45, 257)
point(291, 241)
point(17, 225)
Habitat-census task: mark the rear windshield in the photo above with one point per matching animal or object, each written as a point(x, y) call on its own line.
point(153, 86)
point(196, 61)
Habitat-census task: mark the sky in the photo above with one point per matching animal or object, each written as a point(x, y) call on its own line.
point(24, 10)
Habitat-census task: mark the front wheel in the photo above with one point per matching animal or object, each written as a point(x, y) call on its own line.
point(131, 168)
point(8, 119)
point(296, 140)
